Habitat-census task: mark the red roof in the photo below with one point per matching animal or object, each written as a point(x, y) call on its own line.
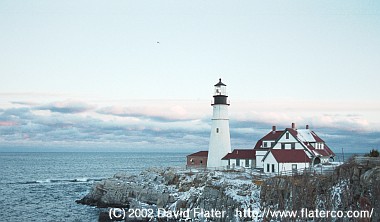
point(329, 150)
point(275, 135)
point(272, 135)
point(322, 152)
point(258, 144)
point(316, 137)
point(326, 151)
point(200, 153)
point(241, 154)
point(293, 132)
point(290, 156)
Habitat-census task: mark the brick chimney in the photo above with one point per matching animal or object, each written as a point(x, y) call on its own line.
point(273, 129)
point(293, 126)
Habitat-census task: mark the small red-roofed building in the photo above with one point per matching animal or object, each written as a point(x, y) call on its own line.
point(197, 160)
point(245, 158)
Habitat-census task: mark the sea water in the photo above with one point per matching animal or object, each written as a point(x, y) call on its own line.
point(44, 186)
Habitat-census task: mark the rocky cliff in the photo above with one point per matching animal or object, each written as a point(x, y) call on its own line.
point(351, 186)
point(174, 190)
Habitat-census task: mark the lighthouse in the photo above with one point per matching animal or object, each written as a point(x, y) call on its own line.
point(220, 144)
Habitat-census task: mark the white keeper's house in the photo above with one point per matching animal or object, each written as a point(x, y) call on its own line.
point(291, 149)
point(278, 151)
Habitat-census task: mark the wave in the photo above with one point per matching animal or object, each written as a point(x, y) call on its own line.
point(49, 181)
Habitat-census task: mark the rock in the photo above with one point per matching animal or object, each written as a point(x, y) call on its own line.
point(170, 178)
point(350, 187)
point(174, 190)
point(163, 200)
point(371, 176)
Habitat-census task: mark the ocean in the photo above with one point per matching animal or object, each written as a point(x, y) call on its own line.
point(44, 186)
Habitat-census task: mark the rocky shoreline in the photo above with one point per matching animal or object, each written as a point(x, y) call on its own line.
point(350, 187)
point(173, 189)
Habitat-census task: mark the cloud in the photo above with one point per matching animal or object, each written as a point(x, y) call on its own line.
point(156, 112)
point(7, 123)
point(342, 121)
point(166, 125)
point(56, 128)
point(68, 106)
point(24, 103)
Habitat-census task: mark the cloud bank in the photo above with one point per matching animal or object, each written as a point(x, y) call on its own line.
point(168, 125)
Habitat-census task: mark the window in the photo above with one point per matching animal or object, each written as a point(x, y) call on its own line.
point(287, 135)
point(217, 130)
point(201, 162)
point(268, 166)
point(293, 146)
point(272, 144)
point(229, 162)
point(246, 163)
point(283, 146)
point(272, 168)
point(237, 162)
point(192, 161)
point(265, 144)
point(294, 166)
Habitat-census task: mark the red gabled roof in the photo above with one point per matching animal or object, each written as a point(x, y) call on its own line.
point(272, 135)
point(322, 152)
point(200, 153)
point(308, 145)
point(276, 135)
point(290, 156)
point(316, 137)
point(326, 151)
point(241, 154)
point(293, 132)
point(258, 144)
point(329, 150)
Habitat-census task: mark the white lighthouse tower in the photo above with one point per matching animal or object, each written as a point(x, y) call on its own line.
point(220, 144)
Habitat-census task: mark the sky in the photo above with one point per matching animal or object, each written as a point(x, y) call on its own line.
point(139, 75)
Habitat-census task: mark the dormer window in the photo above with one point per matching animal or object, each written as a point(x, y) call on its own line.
point(319, 146)
point(265, 144)
point(287, 135)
